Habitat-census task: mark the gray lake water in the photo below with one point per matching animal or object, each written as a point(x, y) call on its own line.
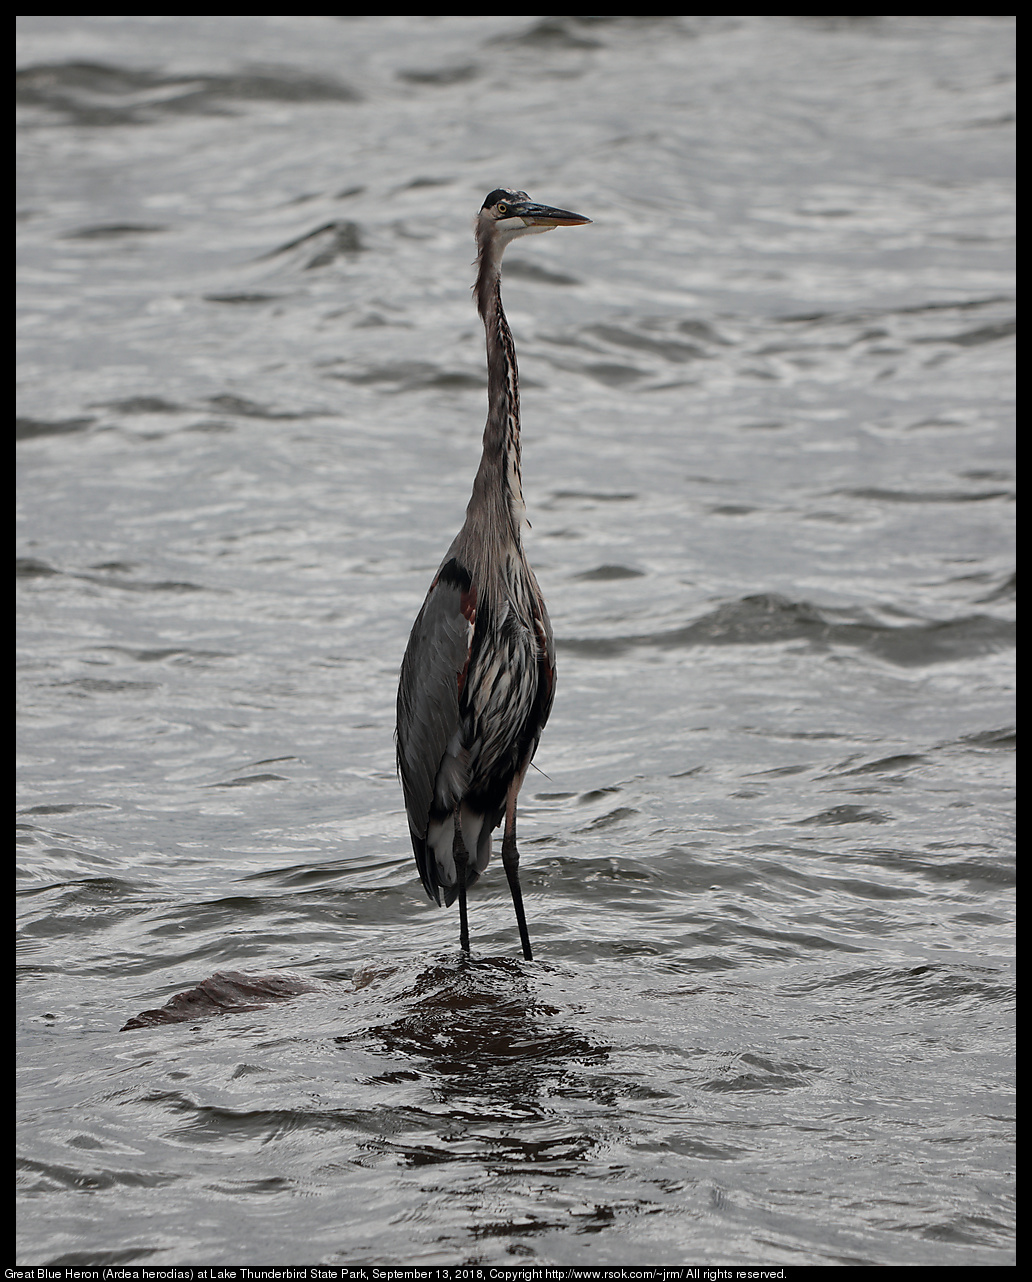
point(768, 461)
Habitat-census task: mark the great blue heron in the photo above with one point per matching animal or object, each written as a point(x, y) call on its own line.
point(478, 675)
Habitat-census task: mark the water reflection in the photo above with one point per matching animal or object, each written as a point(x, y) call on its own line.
point(490, 1065)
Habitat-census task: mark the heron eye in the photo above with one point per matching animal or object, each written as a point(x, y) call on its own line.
point(502, 207)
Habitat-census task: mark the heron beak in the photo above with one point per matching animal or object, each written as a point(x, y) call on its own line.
point(545, 217)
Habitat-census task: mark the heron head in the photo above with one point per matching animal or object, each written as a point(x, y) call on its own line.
point(506, 215)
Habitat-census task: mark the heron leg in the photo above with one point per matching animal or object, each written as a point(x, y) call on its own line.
point(511, 864)
point(461, 856)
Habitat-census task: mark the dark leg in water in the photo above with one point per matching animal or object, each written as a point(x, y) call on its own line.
point(461, 857)
point(511, 864)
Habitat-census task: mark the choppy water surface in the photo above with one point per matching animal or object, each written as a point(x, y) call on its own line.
point(768, 461)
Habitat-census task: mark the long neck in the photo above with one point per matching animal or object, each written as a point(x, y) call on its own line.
point(496, 511)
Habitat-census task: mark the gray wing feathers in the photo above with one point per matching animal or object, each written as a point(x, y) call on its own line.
point(428, 697)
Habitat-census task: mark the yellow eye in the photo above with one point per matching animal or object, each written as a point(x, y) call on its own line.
point(502, 207)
